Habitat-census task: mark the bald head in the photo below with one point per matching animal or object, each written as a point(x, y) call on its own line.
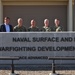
point(46, 22)
point(20, 21)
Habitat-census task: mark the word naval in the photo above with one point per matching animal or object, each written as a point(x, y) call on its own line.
point(43, 39)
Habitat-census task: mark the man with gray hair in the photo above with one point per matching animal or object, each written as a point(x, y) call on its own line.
point(46, 27)
point(19, 27)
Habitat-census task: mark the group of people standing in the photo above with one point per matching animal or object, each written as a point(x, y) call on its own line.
point(7, 27)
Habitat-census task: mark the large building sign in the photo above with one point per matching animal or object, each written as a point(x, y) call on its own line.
point(36, 47)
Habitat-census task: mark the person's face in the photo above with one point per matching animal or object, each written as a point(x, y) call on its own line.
point(57, 22)
point(33, 23)
point(20, 21)
point(46, 22)
point(6, 21)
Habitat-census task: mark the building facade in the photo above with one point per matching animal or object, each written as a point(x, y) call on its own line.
point(39, 10)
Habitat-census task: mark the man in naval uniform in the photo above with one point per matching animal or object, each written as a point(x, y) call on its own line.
point(57, 27)
point(46, 27)
point(33, 27)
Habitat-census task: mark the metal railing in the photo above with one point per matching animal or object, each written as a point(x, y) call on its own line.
point(58, 58)
point(12, 59)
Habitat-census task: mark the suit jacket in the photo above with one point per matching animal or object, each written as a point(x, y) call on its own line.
point(3, 29)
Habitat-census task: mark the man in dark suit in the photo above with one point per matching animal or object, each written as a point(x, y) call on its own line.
point(6, 27)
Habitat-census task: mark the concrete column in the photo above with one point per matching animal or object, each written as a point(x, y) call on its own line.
point(70, 16)
point(1, 13)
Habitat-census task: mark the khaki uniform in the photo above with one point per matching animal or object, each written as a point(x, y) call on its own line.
point(33, 29)
point(19, 29)
point(46, 29)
